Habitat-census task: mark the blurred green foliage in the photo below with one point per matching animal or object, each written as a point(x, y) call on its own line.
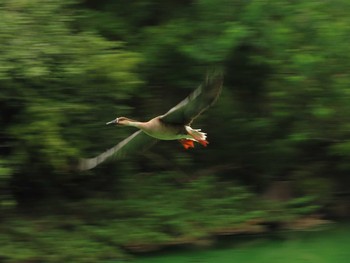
point(152, 211)
point(68, 66)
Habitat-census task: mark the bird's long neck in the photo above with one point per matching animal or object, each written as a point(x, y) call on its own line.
point(137, 124)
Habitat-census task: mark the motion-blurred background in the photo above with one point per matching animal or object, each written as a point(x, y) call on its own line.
point(279, 150)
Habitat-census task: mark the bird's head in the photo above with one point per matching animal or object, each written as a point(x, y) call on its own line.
point(121, 121)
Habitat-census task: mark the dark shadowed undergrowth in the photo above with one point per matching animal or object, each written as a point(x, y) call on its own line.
point(151, 212)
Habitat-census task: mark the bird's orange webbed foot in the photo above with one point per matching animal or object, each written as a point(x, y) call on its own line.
point(203, 142)
point(187, 143)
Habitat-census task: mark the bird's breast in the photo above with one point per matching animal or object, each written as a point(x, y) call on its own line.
point(163, 136)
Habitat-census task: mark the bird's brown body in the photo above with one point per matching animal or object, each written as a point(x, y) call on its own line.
point(157, 128)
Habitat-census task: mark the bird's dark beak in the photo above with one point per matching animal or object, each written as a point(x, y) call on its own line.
point(113, 122)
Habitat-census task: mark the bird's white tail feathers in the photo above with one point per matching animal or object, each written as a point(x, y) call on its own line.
point(196, 134)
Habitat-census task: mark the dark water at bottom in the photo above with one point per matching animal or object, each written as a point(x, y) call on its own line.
point(330, 245)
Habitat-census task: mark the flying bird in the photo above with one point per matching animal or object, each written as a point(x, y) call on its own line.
point(173, 125)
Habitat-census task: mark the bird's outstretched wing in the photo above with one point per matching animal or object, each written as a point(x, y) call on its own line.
point(137, 142)
point(197, 102)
